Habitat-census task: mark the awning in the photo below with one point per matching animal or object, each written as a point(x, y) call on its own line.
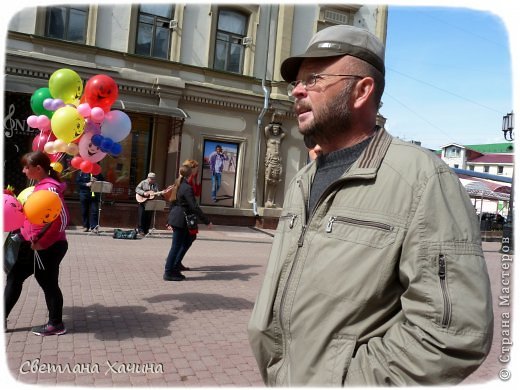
point(149, 109)
point(479, 189)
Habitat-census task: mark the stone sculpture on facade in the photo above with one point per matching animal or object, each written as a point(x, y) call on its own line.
point(274, 135)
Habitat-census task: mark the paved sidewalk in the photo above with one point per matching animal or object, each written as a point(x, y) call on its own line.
point(128, 327)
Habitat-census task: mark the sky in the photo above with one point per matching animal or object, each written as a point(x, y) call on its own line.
point(448, 75)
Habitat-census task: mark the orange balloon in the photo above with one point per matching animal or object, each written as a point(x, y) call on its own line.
point(42, 207)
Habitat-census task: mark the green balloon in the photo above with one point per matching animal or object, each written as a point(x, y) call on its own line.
point(37, 102)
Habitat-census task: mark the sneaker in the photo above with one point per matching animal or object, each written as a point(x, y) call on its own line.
point(176, 277)
point(86, 229)
point(183, 268)
point(49, 330)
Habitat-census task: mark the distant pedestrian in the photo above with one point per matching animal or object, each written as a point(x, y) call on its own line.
point(146, 190)
point(88, 200)
point(193, 181)
point(182, 203)
point(48, 242)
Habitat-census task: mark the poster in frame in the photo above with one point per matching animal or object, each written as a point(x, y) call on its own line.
point(219, 173)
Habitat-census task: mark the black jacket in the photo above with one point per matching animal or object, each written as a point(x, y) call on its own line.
point(185, 203)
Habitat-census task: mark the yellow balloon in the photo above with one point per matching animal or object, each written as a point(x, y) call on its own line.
point(57, 166)
point(67, 124)
point(65, 84)
point(22, 196)
point(42, 207)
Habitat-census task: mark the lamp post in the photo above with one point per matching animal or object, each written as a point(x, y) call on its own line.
point(508, 126)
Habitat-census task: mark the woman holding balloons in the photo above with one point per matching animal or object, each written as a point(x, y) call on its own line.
point(45, 243)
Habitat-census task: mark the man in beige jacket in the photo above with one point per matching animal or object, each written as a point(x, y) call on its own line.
point(376, 275)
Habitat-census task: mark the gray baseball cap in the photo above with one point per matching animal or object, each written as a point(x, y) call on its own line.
point(336, 41)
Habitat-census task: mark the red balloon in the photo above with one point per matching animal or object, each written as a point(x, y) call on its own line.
point(101, 91)
point(40, 140)
point(76, 162)
point(96, 169)
point(86, 166)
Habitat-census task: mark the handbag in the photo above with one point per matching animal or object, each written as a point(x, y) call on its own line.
point(11, 247)
point(125, 234)
point(191, 221)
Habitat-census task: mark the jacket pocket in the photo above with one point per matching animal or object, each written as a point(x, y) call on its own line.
point(341, 350)
point(371, 233)
point(445, 294)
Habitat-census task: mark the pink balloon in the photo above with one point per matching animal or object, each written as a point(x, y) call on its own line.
point(44, 122)
point(88, 150)
point(32, 121)
point(13, 213)
point(97, 114)
point(84, 110)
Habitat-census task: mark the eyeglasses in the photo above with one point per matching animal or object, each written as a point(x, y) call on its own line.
point(311, 80)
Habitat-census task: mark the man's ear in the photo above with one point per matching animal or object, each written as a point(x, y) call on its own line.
point(363, 92)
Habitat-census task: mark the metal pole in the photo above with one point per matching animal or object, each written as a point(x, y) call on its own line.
point(507, 233)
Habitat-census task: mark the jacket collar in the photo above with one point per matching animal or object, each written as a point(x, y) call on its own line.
point(368, 163)
point(370, 160)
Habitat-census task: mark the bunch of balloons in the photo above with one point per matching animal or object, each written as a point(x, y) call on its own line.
point(78, 121)
point(39, 207)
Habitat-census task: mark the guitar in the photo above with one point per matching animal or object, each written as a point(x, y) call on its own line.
point(151, 194)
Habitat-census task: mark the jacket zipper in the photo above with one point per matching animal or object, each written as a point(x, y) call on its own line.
point(446, 315)
point(354, 221)
point(284, 292)
point(292, 218)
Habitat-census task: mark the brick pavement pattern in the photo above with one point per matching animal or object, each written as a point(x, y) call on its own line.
point(122, 317)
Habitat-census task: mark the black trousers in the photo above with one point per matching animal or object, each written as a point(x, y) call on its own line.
point(47, 278)
point(145, 218)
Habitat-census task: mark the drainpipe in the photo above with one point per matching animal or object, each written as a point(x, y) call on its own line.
point(258, 137)
point(267, 93)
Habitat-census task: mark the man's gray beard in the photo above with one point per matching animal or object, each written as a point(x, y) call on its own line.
point(334, 119)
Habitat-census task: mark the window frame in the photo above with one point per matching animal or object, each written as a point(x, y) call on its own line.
point(232, 35)
point(67, 8)
point(156, 20)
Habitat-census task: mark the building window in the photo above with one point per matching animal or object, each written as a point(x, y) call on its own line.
point(229, 48)
point(486, 168)
point(452, 152)
point(455, 165)
point(67, 22)
point(471, 167)
point(153, 30)
point(500, 170)
point(331, 16)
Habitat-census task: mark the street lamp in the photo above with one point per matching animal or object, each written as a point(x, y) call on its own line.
point(508, 126)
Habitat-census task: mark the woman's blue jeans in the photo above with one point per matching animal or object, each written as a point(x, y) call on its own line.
point(180, 241)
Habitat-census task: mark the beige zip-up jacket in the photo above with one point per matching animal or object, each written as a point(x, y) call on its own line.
point(384, 283)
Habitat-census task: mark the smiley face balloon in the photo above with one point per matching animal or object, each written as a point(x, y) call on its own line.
point(42, 207)
point(101, 91)
point(67, 124)
point(13, 213)
point(88, 150)
point(65, 84)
